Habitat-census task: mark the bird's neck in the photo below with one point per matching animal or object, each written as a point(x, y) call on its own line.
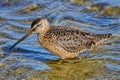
point(44, 30)
point(42, 33)
point(41, 36)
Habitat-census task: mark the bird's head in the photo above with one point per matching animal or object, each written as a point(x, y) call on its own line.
point(38, 26)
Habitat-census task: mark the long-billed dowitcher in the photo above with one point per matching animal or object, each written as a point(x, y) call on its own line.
point(65, 42)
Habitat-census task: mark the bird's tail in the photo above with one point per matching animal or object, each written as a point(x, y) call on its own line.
point(109, 35)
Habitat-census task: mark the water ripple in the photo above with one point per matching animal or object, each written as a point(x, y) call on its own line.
point(27, 58)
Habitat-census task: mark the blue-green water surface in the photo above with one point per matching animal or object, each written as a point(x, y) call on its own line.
point(29, 61)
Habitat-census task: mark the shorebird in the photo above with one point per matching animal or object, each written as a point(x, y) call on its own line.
point(65, 42)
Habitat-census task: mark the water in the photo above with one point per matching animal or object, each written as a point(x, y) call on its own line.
point(29, 61)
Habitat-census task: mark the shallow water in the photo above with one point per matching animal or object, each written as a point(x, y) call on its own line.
point(29, 61)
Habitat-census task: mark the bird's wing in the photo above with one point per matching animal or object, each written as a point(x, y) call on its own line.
point(72, 40)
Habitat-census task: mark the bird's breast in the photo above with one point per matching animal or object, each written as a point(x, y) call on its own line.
point(43, 40)
point(40, 39)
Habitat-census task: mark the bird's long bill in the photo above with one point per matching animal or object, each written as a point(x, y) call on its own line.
point(21, 39)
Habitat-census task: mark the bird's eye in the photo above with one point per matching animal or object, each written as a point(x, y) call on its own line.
point(38, 25)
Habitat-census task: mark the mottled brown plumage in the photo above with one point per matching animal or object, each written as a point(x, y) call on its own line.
point(65, 42)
